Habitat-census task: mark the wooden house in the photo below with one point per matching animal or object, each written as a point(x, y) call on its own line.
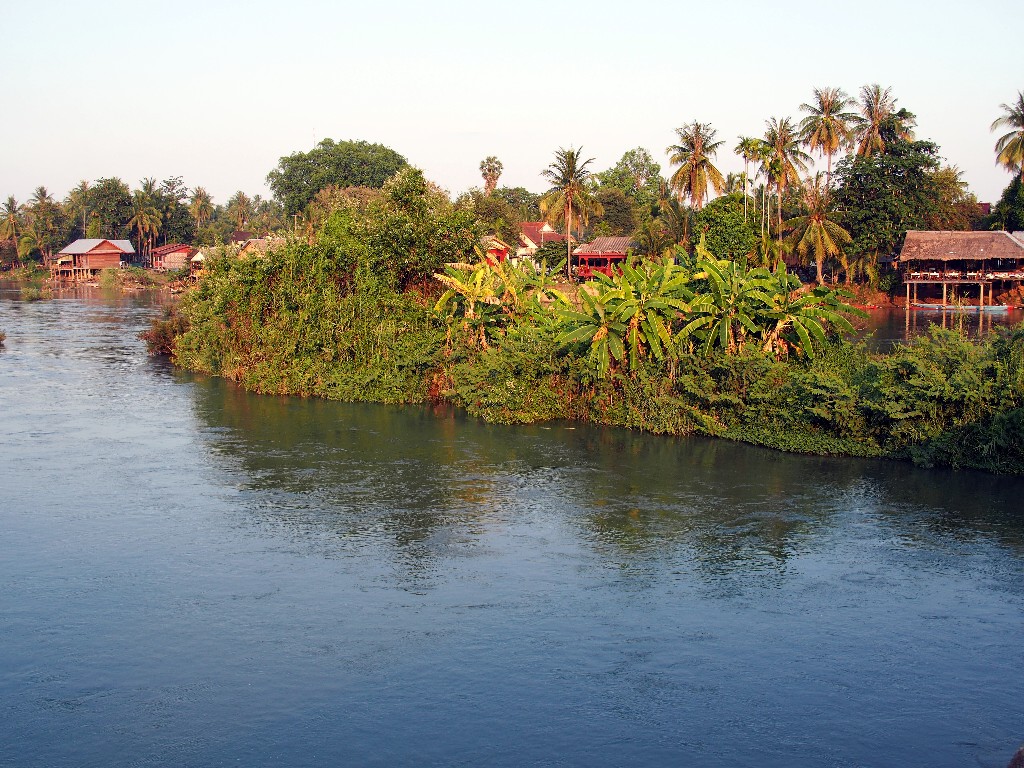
point(603, 255)
point(172, 256)
point(85, 258)
point(495, 249)
point(950, 260)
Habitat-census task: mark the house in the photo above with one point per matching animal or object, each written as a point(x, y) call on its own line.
point(496, 249)
point(988, 260)
point(196, 264)
point(258, 246)
point(240, 236)
point(172, 256)
point(533, 235)
point(86, 257)
point(603, 255)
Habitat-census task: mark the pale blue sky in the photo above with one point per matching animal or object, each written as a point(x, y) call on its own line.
point(216, 92)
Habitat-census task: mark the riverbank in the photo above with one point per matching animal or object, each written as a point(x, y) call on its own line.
point(286, 324)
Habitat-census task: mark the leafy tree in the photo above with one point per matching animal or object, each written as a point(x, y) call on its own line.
point(490, 169)
point(146, 220)
point(496, 215)
point(526, 203)
point(240, 209)
point(636, 174)
point(569, 194)
point(413, 228)
point(77, 206)
point(617, 215)
point(653, 238)
point(723, 229)
point(110, 209)
point(827, 126)
point(1010, 146)
point(693, 154)
point(47, 222)
point(1008, 213)
point(817, 232)
point(954, 208)
point(882, 195)
point(298, 177)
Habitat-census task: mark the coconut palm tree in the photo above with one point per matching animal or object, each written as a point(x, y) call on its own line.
point(788, 160)
point(1010, 146)
point(818, 233)
point(569, 192)
point(11, 222)
point(146, 220)
point(78, 200)
point(490, 169)
point(827, 126)
point(693, 155)
point(240, 208)
point(750, 149)
point(878, 111)
point(201, 206)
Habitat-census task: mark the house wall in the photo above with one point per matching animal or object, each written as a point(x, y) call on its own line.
point(176, 259)
point(100, 259)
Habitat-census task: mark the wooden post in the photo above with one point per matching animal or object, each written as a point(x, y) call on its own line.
point(943, 293)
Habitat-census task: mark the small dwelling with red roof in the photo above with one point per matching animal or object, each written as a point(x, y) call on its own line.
point(534, 234)
point(87, 257)
point(172, 256)
point(603, 255)
point(497, 250)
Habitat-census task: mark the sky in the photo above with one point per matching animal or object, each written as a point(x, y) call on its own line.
point(218, 92)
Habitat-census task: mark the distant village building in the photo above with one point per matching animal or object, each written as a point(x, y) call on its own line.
point(86, 257)
point(172, 256)
point(533, 235)
point(988, 260)
point(604, 255)
point(497, 250)
point(240, 236)
point(196, 264)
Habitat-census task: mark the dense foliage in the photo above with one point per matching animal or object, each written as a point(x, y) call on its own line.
point(708, 348)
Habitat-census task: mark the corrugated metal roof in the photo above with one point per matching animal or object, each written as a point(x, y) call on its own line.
point(606, 246)
point(951, 246)
point(84, 245)
point(163, 250)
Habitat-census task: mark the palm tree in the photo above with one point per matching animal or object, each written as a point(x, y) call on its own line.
point(10, 222)
point(78, 198)
point(789, 160)
point(490, 169)
point(568, 176)
point(146, 220)
point(750, 150)
point(827, 126)
point(1010, 146)
point(817, 232)
point(878, 110)
point(201, 206)
point(693, 155)
point(240, 208)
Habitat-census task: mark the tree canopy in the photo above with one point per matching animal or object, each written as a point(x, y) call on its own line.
point(298, 177)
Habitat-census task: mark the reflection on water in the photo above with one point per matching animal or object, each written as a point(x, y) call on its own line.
point(888, 325)
point(196, 575)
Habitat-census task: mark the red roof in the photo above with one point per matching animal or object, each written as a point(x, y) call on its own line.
point(534, 230)
point(163, 250)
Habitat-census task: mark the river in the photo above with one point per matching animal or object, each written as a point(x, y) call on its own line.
point(193, 575)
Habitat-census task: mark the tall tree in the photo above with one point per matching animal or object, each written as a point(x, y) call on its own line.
point(817, 233)
point(490, 169)
point(298, 177)
point(693, 154)
point(828, 125)
point(201, 206)
point(1010, 146)
point(750, 149)
point(790, 161)
point(146, 220)
point(240, 208)
point(10, 223)
point(569, 193)
point(877, 114)
point(78, 202)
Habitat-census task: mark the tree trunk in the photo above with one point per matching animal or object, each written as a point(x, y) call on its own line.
point(568, 238)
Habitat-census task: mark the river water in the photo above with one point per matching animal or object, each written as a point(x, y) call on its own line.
point(191, 575)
